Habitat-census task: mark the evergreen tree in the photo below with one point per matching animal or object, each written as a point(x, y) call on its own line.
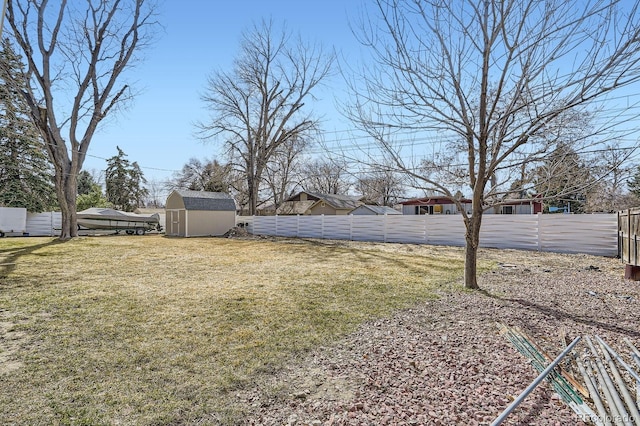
point(92, 198)
point(564, 180)
point(86, 183)
point(25, 174)
point(125, 183)
point(634, 183)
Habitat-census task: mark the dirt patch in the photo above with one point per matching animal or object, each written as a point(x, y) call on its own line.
point(10, 342)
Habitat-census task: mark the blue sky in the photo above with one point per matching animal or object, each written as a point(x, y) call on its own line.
point(201, 36)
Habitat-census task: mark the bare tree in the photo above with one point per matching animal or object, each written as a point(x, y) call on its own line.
point(610, 194)
point(258, 107)
point(327, 176)
point(283, 172)
point(381, 186)
point(156, 194)
point(77, 55)
point(488, 79)
point(200, 175)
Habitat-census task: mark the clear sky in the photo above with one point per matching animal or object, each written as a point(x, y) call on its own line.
point(201, 36)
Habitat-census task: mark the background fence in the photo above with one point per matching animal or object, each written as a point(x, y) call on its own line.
point(46, 224)
point(595, 234)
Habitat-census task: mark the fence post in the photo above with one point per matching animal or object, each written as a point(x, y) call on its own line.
point(629, 236)
point(539, 225)
point(384, 232)
point(298, 225)
point(350, 227)
point(426, 229)
point(619, 224)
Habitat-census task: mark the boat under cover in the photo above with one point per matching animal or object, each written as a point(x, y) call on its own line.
point(111, 219)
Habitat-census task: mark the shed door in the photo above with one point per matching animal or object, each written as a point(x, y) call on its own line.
point(172, 222)
point(182, 222)
point(176, 222)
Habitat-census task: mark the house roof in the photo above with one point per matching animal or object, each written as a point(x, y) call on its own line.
point(204, 200)
point(295, 207)
point(427, 201)
point(379, 210)
point(339, 202)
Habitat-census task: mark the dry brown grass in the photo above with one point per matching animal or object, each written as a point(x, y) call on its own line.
point(157, 330)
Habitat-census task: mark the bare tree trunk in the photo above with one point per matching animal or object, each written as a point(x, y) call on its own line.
point(472, 239)
point(253, 194)
point(66, 190)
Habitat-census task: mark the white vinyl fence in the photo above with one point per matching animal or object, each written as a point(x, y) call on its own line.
point(595, 234)
point(46, 224)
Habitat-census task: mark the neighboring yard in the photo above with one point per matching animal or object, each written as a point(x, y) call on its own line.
point(157, 330)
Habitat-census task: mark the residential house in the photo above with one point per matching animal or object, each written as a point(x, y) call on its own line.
point(526, 206)
point(314, 203)
point(433, 205)
point(443, 205)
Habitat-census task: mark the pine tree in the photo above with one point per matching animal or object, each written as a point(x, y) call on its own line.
point(86, 183)
point(564, 180)
point(25, 173)
point(634, 183)
point(125, 183)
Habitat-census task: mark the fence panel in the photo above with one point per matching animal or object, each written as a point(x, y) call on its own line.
point(337, 227)
point(575, 233)
point(510, 231)
point(590, 233)
point(309, 226)
point(406, 229)
point(265, 225)
point(47, 224)
point(367, 228)
point(446, 230)
point(288, 226)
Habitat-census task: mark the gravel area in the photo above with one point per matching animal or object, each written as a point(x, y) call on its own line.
point(445, 362)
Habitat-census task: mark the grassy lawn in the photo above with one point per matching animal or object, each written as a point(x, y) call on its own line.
point(157, 330)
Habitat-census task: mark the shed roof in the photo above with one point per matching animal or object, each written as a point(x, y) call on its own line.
point(203, 200)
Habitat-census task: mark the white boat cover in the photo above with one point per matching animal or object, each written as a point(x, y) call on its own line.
point(112, 214)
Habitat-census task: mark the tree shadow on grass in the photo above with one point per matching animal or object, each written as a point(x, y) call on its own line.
point(10, 256)
point(374, 256)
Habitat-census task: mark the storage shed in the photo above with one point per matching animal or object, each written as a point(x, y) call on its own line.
point(199, 213)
